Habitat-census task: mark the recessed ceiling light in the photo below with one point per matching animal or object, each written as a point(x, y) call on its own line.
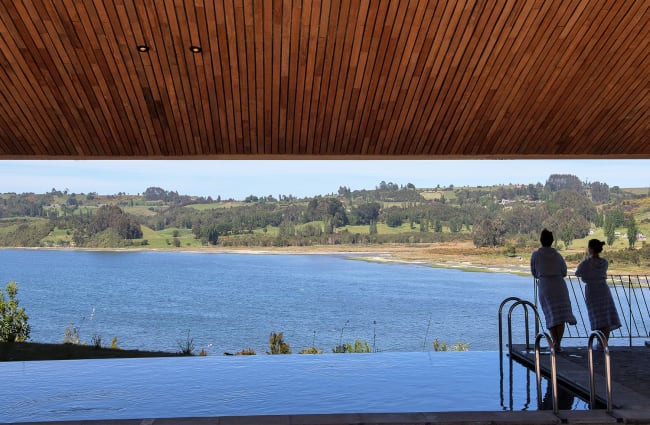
point(142, 48)
point(195, 49)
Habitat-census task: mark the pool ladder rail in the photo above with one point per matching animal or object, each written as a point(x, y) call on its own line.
point(537, 347)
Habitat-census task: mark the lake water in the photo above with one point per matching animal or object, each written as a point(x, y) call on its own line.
point(228, 302)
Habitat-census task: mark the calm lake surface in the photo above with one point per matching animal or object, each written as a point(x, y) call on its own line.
point(227, 302)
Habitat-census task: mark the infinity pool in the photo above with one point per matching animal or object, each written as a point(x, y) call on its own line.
point(262, 384)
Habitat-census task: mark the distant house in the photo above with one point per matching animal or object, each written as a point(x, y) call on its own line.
point(591, 231)
point(641, 237)
point(617, 234)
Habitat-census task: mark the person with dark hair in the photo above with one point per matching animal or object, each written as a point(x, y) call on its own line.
point(549, 268)
point(600, 304)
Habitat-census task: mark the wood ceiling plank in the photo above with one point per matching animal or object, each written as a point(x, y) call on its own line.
point(189, 37)
point(473, 111)
point(118, 34)
point(301, 77)
point(187, 70)
point(215, 81)
point(309, 97)
point(212, 143)
point(426, 74)
point(239, 69)
point(338, 24)
point(412, 49)
point(626, 92)
point(283, 82)
point(67, 55)
point(371, 75)
point(317, 79)
point(276, 72)
point(369, 52)
point(442, 73)
point(252, 66)
point(354, 102)
point(424, 59)
point(346, 66)
point(59, 84)
point(527, 88)
point(571, 92)
point(484, 23)
point(157, 37)
point(87, 81)
point(91, 28)
point(267, 47)
point(286, 78)
point(202, 62)
point(19, 79)
point(388, 78)
point(229, 93)
point(606, 67)
point(295, 16)
point(403, 95)
point(495, 77)
point(457, 79)
point(499, 116)
point(118, 58)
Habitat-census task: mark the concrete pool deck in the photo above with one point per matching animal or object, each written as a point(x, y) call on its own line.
point(631, 399)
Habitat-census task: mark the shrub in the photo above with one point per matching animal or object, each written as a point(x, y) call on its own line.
point(97, 341)
point(71, 334)
point(442, 346)
point(13, 319)
point(277, 344)
point(114, 344)
point(246, 352)
point(187, 346)
point(359, 346)
point(311, 350)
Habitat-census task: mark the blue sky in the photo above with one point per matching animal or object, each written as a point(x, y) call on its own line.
point(240, 178)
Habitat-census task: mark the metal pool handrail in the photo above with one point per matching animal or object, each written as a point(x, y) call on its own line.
point(526, 305)
point(538, 370)
point(608, 376)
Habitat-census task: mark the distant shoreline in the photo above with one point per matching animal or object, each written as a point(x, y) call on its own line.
point(392, 254)
point(451, 255)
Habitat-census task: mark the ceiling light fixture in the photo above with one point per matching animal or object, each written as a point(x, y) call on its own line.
point(142, 48)
point(195, 49)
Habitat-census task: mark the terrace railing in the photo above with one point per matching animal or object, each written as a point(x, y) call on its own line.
point(632, 297)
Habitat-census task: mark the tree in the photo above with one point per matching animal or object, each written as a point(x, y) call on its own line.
point(13, 319)
point(488, 233)
point(609, 229)
point(567, 225)
point(599, 192)
point(632, 230)
point(372, 229)
point(557, 182)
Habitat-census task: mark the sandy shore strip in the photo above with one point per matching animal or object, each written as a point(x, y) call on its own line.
point(454, 255)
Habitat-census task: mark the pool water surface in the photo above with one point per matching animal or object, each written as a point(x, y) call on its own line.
point(261, 385)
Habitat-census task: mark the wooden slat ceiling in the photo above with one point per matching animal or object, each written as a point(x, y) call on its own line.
point(324, 79)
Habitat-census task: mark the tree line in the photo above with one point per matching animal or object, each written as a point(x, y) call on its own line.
point(488, 216)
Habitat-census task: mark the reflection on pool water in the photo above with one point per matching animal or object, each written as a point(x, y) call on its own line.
point(256, 385)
